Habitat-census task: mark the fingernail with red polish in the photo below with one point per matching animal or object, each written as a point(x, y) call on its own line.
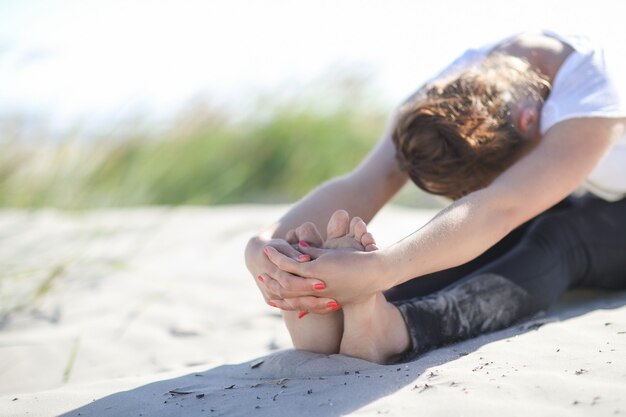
point(304, 244)
point(273, 304)
point(304, 258)
point(261, 278)
point(319, 286)
point(333, 305)
point(302, 314)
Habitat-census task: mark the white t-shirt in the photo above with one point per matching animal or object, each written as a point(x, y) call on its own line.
point(585, 86)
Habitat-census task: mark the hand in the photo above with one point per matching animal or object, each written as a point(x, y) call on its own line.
point(342, 233)
point(274, 283)
point(347, 275)
point(265, 271)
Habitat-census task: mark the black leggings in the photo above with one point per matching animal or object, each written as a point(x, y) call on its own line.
point(579, 242)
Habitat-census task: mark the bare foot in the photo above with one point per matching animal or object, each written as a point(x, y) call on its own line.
point(313, 332)
point(341, 233)
point(373, 329)
point(323, 333)
point(370, 329)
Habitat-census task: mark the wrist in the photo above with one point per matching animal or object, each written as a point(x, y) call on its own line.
point(383, 269)
point(396, 266)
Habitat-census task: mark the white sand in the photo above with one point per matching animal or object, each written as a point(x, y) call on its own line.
point(136, 312)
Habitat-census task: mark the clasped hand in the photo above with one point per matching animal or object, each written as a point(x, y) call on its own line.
point(319, 275)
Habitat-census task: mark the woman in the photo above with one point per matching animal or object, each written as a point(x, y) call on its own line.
point(508, 131)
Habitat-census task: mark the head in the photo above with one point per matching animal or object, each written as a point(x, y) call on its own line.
point(459, 133)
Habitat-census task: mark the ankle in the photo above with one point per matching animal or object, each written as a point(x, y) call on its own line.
point(374, 330)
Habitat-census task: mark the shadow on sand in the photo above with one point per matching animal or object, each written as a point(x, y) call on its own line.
point(305, 384)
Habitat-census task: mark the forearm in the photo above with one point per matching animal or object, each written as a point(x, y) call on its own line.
point(317, 207)
point(361, 193)
point(340, 193)
point(453, 237)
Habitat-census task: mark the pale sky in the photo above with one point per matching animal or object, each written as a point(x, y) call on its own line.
point(99, 60)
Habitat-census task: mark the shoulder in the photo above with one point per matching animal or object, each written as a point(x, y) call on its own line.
point(585, 86)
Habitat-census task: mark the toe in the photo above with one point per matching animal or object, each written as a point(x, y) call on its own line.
point(367, 239)
point(353, 224)
point(291, 236)
point(338, 225)
point(309, 233)
point(360, 229)
point(371, 248)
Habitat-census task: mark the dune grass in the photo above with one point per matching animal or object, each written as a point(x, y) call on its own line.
point(274, 159)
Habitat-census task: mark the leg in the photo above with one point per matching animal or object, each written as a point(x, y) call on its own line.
point(322, 333)
point(316, 333)
point(374, 330)
point(428, 284)
point(581, 245)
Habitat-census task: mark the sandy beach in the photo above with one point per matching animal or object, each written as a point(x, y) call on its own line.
point(151, 312)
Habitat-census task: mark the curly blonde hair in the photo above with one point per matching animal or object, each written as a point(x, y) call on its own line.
point(456, 135)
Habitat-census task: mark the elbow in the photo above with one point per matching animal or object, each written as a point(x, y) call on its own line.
point(247, 254)
point(253, 247)
point(506, 219)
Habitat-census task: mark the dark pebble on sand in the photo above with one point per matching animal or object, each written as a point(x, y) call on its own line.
point(256, 364)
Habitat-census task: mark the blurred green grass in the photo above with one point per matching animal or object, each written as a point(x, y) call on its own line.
point(276, 158)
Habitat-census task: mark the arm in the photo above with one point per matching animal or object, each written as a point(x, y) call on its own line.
point(362, 192)
point(549, 172)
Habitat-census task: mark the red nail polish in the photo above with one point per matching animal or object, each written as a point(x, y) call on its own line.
point(304, 244)
point(333, 305)
point(304, 258)
point(302, 314)
point(273, 304)
point(261, 278)
point(319, 286)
